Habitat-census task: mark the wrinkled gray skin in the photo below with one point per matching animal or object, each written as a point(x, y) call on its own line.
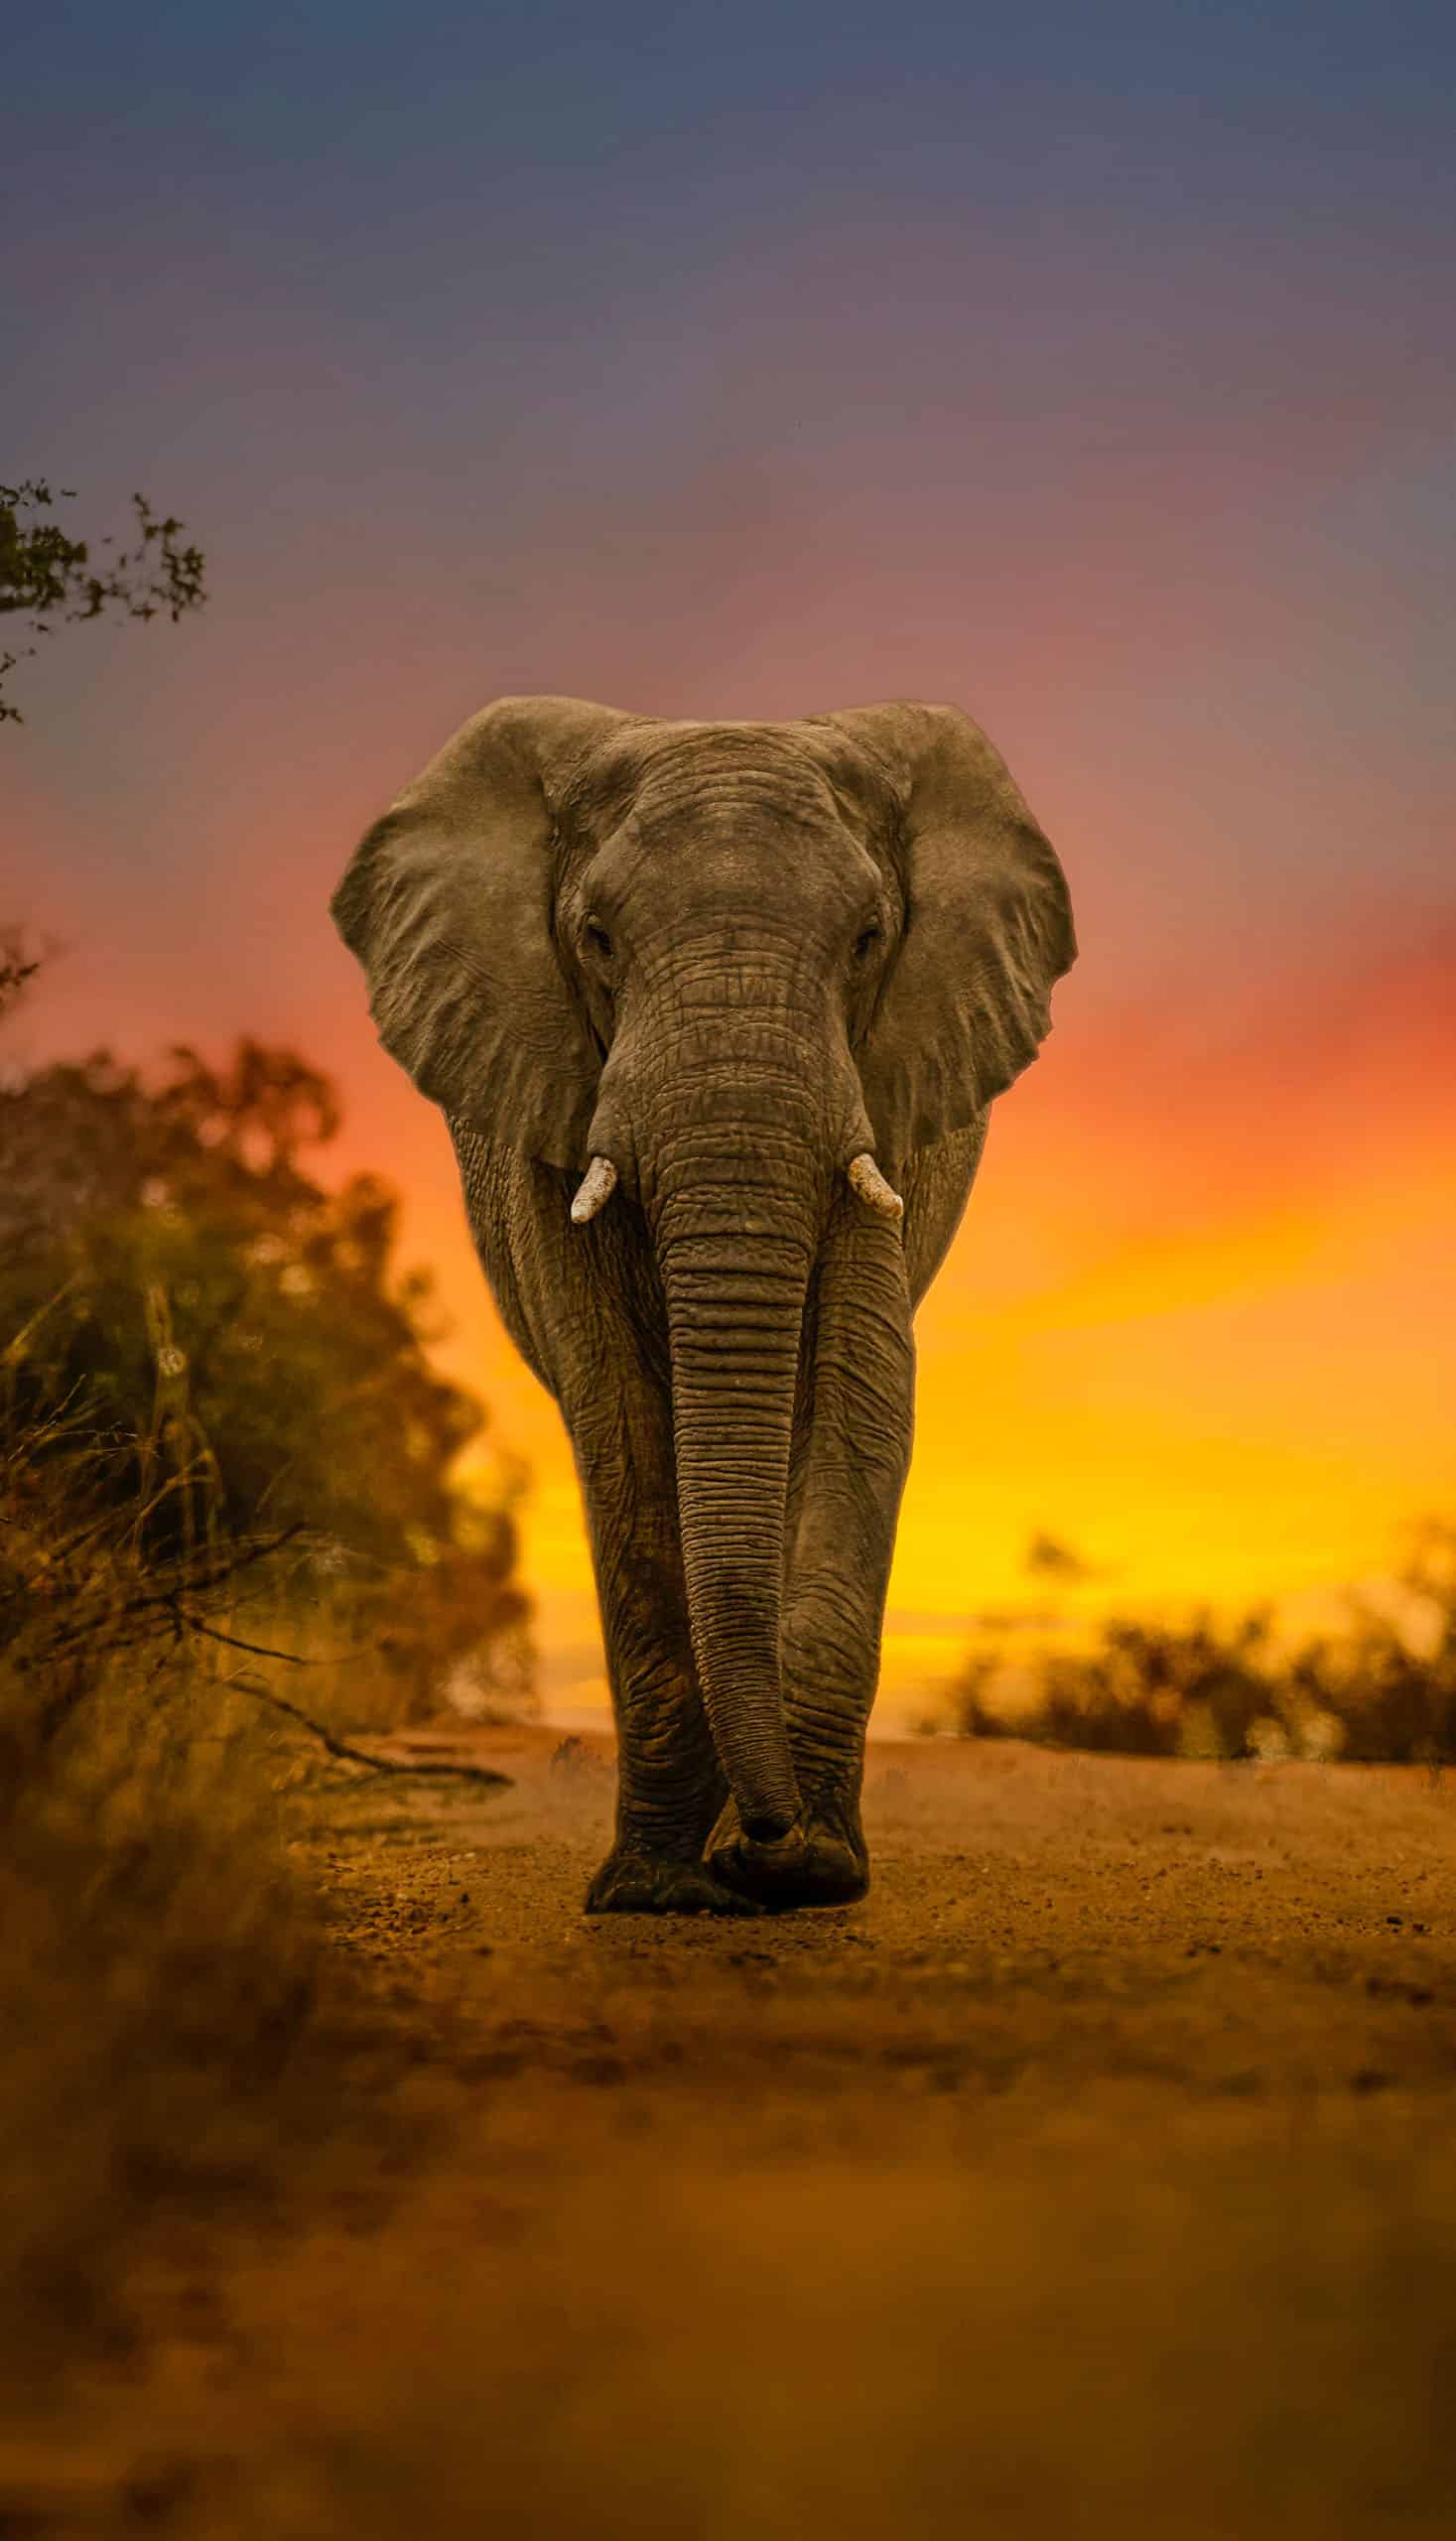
point(730, 959)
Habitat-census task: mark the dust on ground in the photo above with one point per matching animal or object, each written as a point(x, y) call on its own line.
point(1097, 2171)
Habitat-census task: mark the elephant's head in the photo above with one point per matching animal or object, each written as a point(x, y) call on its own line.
point(714, 968)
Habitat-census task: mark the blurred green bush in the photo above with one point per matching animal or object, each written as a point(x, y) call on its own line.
point(245, 1358)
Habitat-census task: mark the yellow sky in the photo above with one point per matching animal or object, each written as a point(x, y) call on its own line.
point(1249, 1403)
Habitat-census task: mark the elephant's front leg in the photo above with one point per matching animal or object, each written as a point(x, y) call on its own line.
point(670, 1786)
point(851, 1458)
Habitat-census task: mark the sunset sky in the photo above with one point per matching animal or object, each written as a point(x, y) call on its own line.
point(1092, 368)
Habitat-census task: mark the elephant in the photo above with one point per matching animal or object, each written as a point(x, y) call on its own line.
point(716, 1012)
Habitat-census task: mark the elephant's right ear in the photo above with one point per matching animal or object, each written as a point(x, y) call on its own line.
point(447, 905)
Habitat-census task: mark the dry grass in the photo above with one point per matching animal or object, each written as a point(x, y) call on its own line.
point(159, 1970)
point(175, 2023)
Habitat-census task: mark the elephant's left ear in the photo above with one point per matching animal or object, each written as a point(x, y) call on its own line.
point(965, 1007)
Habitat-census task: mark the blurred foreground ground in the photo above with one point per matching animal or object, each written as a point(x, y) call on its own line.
point(1098, 2172)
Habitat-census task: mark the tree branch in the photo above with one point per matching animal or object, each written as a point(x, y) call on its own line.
point(355, 1755)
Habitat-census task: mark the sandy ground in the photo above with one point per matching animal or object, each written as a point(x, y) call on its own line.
point(1098, 2173)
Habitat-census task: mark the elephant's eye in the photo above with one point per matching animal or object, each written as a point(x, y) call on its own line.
point(598, 938)
point(864, 944)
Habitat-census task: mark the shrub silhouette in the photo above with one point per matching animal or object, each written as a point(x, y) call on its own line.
point(1382, 1690)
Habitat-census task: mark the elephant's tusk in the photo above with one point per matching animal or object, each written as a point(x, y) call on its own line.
point(869, 1185)
point(597, 1185)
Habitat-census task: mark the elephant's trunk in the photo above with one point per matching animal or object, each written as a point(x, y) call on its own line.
point(735, 1225)
point(734, 1310)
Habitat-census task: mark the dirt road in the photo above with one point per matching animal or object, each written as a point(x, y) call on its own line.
point(1098, 2173)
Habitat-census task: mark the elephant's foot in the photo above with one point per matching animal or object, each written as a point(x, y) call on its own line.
point(817, 1863)
point(631, 1883)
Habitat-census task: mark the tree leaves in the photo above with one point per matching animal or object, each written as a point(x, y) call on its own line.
point(47, 576)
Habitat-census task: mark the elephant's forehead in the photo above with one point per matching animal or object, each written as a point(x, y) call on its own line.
point(676, 773)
